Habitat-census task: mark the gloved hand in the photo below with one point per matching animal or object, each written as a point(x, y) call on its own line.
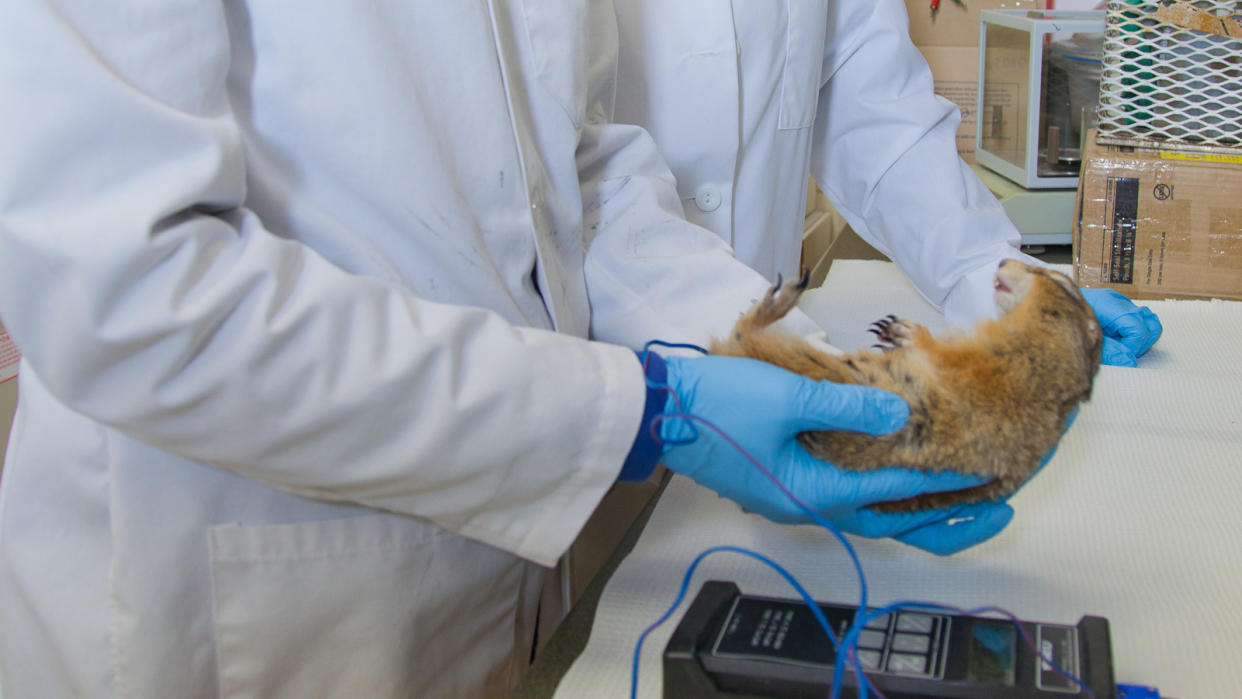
point(959, 528)
point(938, 537)
point(948, 535)
point(1129, 330)
point(763, 408)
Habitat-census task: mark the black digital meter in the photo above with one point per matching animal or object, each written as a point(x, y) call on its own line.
point(731, 645)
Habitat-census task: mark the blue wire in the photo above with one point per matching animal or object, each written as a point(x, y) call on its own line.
point(655, 433)
point(685, 585)
point(861, 617)
point(843, 657)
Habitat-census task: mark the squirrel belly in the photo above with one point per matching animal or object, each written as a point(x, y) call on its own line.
point(991, 402)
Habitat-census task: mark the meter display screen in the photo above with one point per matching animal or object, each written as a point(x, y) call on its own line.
point(993, 648)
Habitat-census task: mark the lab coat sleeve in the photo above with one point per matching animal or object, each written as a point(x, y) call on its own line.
point(145, 296)
point(885, 154)
point(650, 274)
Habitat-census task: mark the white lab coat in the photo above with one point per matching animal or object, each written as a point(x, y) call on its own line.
point(747, 97)
point(294, 421)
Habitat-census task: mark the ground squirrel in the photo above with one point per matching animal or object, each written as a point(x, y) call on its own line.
point(992, 401)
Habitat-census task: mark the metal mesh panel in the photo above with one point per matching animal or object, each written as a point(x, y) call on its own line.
point(1167, 86)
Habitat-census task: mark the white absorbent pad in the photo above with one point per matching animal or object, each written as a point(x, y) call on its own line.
point(1135, 519)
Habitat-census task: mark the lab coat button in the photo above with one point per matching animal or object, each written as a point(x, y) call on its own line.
point(707, 198)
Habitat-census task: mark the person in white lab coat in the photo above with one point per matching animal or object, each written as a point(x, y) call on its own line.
point(330, 315)
point(746, 98)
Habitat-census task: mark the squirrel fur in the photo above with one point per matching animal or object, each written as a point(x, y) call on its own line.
point(993, 401)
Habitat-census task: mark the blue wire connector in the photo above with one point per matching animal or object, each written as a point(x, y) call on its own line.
point(1134, 691)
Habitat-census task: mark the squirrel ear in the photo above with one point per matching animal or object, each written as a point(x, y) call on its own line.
point(1091, 350)
point(1065, 282)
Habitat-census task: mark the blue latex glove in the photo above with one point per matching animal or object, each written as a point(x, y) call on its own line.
point(1129, 330)
point(959, 528)
point(935, 536)
point(763, 408)
point(940, 536)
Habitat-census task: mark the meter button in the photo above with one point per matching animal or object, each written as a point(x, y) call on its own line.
point(870, 659)
point(871, 639)
point(880, 622)
point(918, 623)
point(907, 664)
point(911, 642)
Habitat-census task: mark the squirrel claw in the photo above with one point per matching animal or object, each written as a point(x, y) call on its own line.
point(776, 288)
point(884, 330)
point(805, 280)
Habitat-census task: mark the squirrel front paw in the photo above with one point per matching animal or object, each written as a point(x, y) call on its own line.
point(892, 332)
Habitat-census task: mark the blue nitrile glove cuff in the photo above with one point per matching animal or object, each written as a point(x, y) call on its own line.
point(645, 453)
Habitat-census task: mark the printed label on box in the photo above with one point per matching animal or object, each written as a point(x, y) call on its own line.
point(9, 356)
point(1123, 191)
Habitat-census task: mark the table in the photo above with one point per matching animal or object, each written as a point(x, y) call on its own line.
point(1135, 519)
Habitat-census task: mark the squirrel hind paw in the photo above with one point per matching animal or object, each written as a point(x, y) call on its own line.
point(781, 298)
point(804, 280)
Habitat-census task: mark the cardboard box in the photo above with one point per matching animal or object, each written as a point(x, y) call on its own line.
point(956, 72)
point(9, 358)
point(1159, 224)
point(821, 229)
point(949, 40)
point(954, 24)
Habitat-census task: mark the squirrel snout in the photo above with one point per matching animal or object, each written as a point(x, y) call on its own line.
point(1012, 282)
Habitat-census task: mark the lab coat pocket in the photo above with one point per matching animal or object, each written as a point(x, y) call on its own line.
point(804, 58)
point(370, 606)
